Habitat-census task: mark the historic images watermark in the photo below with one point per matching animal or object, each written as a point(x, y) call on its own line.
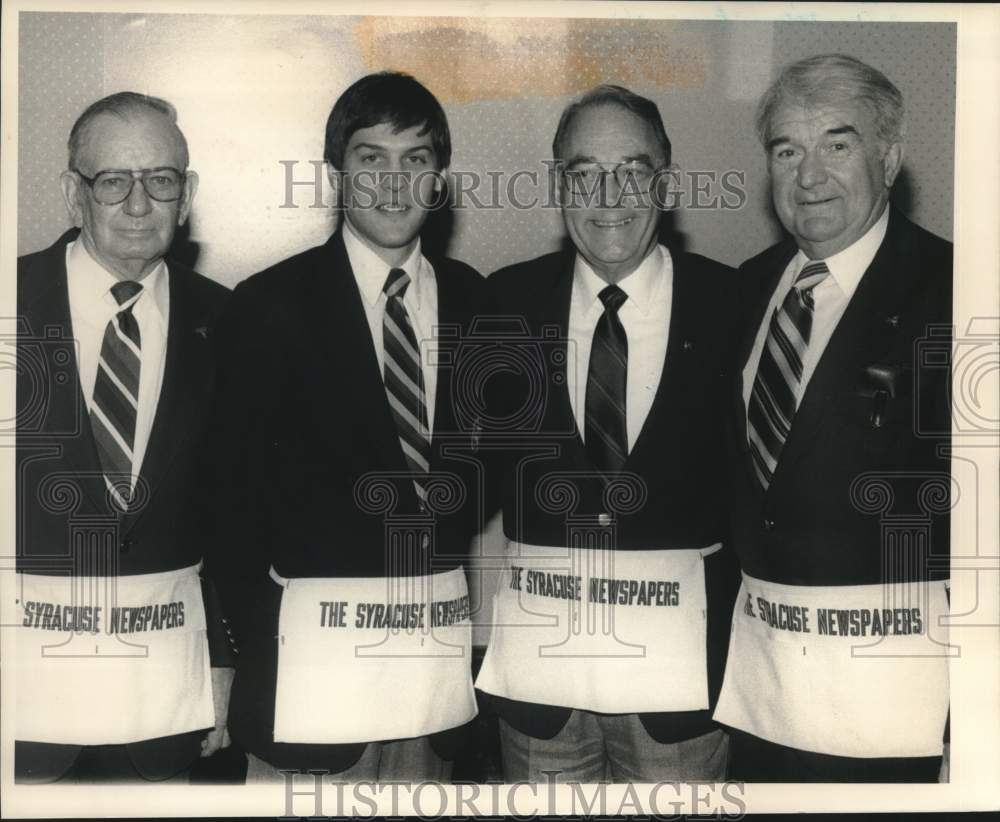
point(317, 795)
point(311, 184)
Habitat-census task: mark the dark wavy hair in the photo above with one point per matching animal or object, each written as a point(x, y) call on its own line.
point(386, 97)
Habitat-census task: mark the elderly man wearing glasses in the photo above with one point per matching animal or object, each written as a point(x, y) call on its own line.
point(611, 623)
point(123, 663)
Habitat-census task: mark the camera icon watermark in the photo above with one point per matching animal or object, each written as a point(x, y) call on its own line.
point(44, 362)
point(968, 363)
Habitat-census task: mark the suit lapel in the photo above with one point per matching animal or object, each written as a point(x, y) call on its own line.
point(340, 328)
point(682, 330)
point(756, 292)
point(862, 336)
point(187, 377)
point(449, 327)
point(67, 421)
point(552, 328)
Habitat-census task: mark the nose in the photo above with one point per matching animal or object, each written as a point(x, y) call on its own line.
point(138, 202)
point(610, 190)
point(811, 170)
point(395, 178)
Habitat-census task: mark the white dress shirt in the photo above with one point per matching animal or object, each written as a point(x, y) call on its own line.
point(645, 316)
point(92, 307)
point(420, 301)
point(830, 299)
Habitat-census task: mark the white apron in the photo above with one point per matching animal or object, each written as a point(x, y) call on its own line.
point(373, 658)
point(842, 670)
point(111, 660)
point(598, 630)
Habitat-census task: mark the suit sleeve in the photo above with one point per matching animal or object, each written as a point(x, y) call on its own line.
point(500, 392)
point(222, 649)
point(238, 463)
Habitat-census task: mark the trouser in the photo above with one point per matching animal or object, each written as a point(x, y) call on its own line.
point(595, 747)
point(405, 760)
point(754, 759)
point(101, 763)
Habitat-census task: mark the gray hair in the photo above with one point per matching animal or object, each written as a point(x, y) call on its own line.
point(832, 79)
point(123, 104)
point(642, 107)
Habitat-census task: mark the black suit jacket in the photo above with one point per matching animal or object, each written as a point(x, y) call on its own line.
point(303, 430)
point(678, 455)
point(60, 487)
point(843, 472)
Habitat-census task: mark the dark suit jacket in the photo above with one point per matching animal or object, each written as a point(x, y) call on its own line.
point(302, 421)
point(678, 454)
point(842, 473)
point(60, 488)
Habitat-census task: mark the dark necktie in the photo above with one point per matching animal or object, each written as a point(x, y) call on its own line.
point(779, 374)
point(605, 431)
point(115, 403)
point(404, 381)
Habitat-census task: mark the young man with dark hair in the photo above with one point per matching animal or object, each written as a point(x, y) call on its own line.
point(344, 515)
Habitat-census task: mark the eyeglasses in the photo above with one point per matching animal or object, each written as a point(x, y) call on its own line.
point(633, 176)
point(113, 187)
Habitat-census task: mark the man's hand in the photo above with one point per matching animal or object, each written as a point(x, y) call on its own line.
point(218, 738)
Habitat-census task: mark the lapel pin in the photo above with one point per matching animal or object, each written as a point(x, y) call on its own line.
point(892, 320)
point(202, 331)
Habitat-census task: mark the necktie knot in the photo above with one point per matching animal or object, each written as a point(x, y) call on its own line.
point(612, 297)
point(396, 283)
point(811, 275)
point(126, 292)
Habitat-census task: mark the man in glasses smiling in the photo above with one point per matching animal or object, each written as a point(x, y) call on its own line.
point(125, 338)
point(113, 187)
point(629, 337)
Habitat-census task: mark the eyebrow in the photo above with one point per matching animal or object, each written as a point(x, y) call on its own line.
point(627, 159)
point(138, 170)
point(377, 147)
point(776, 141)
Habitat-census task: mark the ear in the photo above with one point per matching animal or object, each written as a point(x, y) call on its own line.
point(187, 196)
point(666, 189)
point(333, 175)
point(557, 190)
point(72, 191)
point(892, 162)
point(439, 179)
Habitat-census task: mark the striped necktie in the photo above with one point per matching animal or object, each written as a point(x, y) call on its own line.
point(116, 394)
point(404, 381)
point(775, 390)
point(605, 431)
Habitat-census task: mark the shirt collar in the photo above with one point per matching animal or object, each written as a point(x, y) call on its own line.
point(847, 267)
point(641, 286)
point(371, 271)
point(90, 284)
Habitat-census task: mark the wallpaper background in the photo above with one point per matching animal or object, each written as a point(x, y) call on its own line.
point(252, 91)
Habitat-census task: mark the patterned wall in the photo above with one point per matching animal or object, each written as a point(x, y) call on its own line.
point(252, 91)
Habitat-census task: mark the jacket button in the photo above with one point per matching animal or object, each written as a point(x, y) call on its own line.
point(768, 524)
point(125, 545)
point(604, 519)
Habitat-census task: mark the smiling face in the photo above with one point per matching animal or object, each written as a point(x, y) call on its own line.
point(830, 173)
point(613, 233)
point(387, 185)
point(128, 239)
